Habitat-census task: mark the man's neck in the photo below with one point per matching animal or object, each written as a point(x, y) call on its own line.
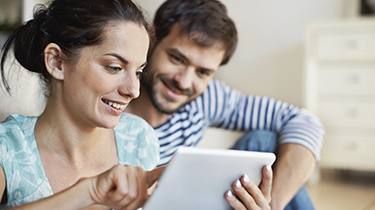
point(143, 107)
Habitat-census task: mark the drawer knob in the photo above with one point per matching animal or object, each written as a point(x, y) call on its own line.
point(359, 44)
point(361, 79)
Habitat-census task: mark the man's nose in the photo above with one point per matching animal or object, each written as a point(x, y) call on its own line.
point(184, 78)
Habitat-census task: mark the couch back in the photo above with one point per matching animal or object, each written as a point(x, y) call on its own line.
point(26, 97)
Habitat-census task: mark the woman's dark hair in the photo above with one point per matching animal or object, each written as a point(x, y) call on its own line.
point(207, 20)
point(72, 25)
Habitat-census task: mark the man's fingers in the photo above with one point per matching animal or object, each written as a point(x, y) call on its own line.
point(154, 175)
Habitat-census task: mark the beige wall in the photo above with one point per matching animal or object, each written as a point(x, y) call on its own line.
point(9, 10)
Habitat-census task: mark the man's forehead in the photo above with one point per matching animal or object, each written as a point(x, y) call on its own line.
point(195, 37)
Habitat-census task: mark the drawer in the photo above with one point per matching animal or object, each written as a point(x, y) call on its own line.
point(346, 81)
point(348, 152)
point(348, 47)
point(357, 115)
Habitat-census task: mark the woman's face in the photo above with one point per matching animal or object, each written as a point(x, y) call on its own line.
point(98, 88)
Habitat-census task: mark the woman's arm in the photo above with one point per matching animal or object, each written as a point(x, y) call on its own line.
point(77, 197)
point(2, 183)
point(122, 187)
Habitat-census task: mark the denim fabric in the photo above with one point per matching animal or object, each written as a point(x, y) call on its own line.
point(266, 141)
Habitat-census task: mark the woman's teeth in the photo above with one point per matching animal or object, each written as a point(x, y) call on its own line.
point(114, 105)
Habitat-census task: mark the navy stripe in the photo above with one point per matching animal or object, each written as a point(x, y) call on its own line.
point(266, 115)
point(244, 111)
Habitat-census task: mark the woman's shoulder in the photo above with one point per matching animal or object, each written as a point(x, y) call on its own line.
point(135, 129)
point(20, 161)
point(130, 122)
point(16, 128)
point(137, 142)
point(16, 134)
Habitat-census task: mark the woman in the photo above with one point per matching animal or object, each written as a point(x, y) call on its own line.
point(90, 55)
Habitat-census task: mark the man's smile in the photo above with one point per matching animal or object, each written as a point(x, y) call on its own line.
point(172, 89)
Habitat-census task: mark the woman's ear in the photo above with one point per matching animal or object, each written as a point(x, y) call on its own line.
point(52, 60)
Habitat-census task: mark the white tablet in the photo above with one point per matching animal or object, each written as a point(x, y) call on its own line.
point(197, 178)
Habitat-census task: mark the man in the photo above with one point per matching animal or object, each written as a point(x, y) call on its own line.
point(180, 99)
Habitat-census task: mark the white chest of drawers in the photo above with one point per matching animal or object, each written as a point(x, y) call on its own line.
point(339, 81)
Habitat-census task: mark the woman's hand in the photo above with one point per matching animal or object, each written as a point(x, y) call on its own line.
point(123, 187)
point(250, 196)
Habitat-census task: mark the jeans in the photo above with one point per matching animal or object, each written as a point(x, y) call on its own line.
point(266, 141)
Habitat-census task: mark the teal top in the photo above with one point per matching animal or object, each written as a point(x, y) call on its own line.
point(26, 181)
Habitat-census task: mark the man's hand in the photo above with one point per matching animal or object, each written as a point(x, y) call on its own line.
point(250, 196)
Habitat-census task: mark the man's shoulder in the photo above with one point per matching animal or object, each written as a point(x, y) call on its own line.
point(213, 90)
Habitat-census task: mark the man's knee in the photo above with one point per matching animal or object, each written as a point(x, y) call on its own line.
point(257, 140)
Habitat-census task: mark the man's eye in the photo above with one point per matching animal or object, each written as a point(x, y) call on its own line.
point(177, 59)
point(203, 72)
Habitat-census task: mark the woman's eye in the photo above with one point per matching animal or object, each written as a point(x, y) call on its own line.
point(114, 68)
point(139, 74)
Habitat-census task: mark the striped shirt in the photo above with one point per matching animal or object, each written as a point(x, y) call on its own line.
point(221, 106)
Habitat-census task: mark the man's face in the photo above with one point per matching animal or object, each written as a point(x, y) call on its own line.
point(179, 71)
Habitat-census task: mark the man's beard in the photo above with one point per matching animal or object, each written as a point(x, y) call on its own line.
point(149, 81)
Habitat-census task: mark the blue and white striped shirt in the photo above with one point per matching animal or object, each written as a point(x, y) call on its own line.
point(223, 107)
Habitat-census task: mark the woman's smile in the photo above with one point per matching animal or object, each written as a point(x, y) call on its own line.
point(115, 105)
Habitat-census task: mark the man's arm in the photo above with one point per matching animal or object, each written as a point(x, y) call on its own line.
point(300, 135)
point(295, 164)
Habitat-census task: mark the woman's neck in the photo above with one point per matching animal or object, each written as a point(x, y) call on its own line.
point(58, 132)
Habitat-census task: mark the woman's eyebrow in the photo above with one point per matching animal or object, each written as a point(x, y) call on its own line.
point(144, 64)
point(123, 59)
point(118, 57)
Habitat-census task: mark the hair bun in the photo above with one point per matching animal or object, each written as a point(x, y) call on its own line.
point(31, 34)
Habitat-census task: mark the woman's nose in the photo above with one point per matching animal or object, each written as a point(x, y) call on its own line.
point(130, 85)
